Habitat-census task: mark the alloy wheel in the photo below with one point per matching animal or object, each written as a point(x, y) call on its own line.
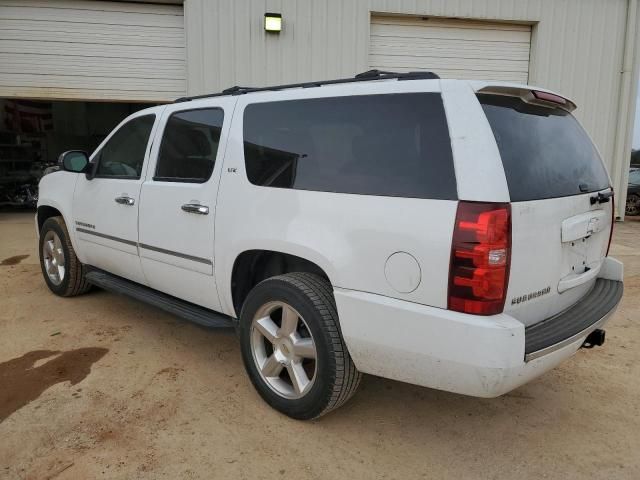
point(53, 256)
point(633, 205)
point(283, 349)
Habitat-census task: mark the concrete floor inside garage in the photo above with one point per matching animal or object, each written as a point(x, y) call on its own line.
point(101, 386)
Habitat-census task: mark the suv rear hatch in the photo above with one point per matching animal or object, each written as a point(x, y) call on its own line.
point(561, 201)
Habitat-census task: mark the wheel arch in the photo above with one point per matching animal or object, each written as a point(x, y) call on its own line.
point(47, 211)
point(250, 267)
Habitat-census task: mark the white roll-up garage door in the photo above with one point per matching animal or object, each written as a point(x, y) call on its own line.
point(91, 50)
point(451, 48)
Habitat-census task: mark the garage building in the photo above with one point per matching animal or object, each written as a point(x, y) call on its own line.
point(71, 70)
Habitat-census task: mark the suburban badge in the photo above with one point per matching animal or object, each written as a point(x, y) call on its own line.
point(529, 296)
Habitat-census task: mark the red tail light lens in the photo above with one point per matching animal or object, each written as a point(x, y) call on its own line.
point(480, 258)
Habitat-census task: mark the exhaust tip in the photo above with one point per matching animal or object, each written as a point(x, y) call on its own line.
point(594, 339)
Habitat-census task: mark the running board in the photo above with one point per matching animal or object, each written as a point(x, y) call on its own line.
point(180, 308)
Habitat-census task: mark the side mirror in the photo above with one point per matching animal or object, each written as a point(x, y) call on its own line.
point(75, 161)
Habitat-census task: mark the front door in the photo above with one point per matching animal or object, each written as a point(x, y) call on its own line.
point(105, 208)
point(178, 202)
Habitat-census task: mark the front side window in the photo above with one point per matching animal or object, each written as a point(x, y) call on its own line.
point(189, 146)
point(392, 145)
point(123, 155)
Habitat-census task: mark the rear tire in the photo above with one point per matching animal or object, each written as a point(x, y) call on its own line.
point(293, 318)
point(61, 269)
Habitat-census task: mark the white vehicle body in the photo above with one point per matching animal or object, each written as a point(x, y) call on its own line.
point(387, 258)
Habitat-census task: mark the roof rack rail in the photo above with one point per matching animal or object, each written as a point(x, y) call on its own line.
point(234, 89)
point(361, 77)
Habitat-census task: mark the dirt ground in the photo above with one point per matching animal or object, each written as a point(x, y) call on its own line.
point(101, 386)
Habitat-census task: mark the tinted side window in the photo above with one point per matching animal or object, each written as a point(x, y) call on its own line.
point(393, 145)
point(189, 145)
point(545, 151)
point(123, 155)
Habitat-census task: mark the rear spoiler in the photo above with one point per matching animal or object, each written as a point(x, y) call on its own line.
point(532, 96)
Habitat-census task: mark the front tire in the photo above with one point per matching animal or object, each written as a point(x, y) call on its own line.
point(292, 347)
point(61, 269)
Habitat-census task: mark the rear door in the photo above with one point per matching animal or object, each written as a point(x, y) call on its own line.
point(561, 205)
point(178, 201)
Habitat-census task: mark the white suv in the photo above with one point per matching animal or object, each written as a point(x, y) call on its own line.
point(451, 234)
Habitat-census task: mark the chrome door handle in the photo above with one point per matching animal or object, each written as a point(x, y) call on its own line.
point(124, 200)
point(195, 208)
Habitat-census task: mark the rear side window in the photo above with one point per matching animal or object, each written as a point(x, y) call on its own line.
point(189, 146)
point(394, 145)
point(545, 151)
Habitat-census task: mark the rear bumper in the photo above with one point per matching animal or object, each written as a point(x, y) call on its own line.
point(589, 313)
point(467, 354)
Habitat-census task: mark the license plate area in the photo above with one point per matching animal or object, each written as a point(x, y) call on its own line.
point(575, 257)
point(583, 237)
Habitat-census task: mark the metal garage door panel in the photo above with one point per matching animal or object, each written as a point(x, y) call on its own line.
point(451, 48)
point(92, 50)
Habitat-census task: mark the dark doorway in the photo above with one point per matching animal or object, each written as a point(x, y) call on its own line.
point(33, 133)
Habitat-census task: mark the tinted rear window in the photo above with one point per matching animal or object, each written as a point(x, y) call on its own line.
point(393, 145)
point(545, 152)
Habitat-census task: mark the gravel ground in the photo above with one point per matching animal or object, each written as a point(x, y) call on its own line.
point(102, 386)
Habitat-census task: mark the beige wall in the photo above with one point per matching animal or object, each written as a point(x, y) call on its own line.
point(577, 48)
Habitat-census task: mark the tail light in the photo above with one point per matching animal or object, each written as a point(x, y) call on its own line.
point(480, 258)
